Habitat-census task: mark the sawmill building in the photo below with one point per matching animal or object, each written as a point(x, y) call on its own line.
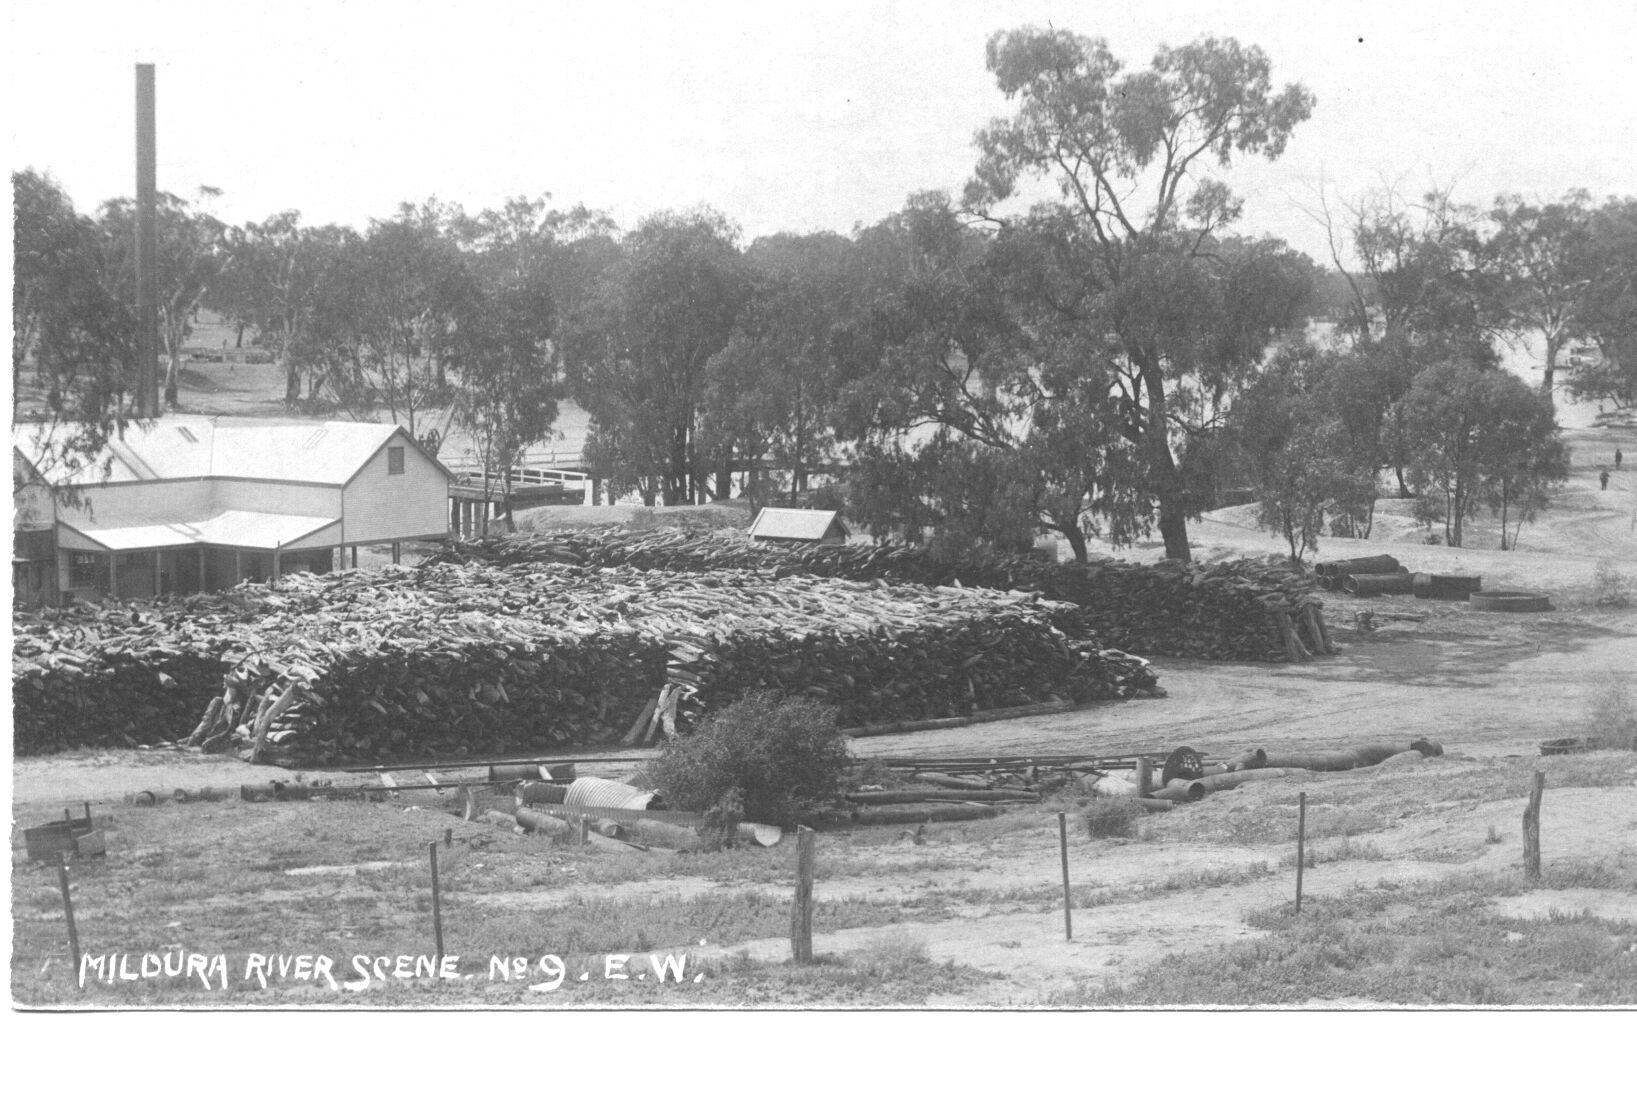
point(192, 503)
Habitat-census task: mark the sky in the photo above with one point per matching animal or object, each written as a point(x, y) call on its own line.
point(784, 116)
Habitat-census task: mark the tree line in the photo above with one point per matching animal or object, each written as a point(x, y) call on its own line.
point(1080, 341)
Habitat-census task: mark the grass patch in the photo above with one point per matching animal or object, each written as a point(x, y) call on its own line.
point(1435, 943)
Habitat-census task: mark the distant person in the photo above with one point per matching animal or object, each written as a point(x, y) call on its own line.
point(1618, 456)
point(1603, 477)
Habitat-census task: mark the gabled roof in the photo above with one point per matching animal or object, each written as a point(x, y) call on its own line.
point(796, 524)
point(192, 447)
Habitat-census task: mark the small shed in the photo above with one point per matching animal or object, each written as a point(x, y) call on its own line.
point(799, 526)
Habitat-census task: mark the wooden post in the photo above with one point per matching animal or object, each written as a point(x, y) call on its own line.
point(1145, 776)
point(1531, 829)
point(395, 551)
point(437, 905)
point(1063, 848)
point(68, 915)
point(801, 911)
point(448, 837)
point(582, 831)
point(1301, 845)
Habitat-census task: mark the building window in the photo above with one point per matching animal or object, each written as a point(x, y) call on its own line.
point(87, 569)
point(395, 461)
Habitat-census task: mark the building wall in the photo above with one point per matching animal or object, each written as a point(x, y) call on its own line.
point(379, 507)
point(260, 497)
point(115, 503)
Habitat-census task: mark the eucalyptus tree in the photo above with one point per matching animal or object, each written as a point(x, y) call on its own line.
point(1543, 253)
point(640, 346)
point(194, 253)
point(73, 351)
point(1131, 285)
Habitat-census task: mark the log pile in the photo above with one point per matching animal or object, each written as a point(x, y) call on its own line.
point(460, 659)
point(133, 675)
point(1249, 609)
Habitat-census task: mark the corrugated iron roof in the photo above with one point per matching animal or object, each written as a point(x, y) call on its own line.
point(793, 524)
point(191, 447)
point(237, 528)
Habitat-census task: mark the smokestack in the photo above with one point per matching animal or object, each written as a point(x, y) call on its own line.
point(147, 251)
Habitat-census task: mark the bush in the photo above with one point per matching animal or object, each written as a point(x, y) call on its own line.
point(783, 754)
point(1612, 723)
point(1112, 817)
point(1610, 588)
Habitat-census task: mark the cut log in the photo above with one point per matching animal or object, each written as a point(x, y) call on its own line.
point(1293, 644)
point(949, 781)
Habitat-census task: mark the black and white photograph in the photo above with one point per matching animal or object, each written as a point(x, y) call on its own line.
point(870, 506)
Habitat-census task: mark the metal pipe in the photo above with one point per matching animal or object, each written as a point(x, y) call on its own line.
point(908, 814)
point(918, 796)
point(1217, 783)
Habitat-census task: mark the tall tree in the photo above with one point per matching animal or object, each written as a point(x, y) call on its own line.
point(642, 343)
point(194, 252)
point(505, 343)
point(1424, 290)
point(1543, 256)
point(280, 276)
point(1611, 306)
point(1132, 249)
point(1298, 451)
point(411, 285)
point(772, 389)
point(1467, 429)
point(73, 353)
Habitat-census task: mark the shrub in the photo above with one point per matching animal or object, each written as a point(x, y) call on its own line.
point(1610, 588)
point(1112, 817)
point(1612, 721)
point(783, 754)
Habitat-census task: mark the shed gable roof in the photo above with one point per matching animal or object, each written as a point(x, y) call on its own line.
point(192, 447)
point(795, 524)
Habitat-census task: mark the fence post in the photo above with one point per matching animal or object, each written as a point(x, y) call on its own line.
point(437, 905)
point(1301, 845)
point(68, 915)
point(801, 911)
point(1531, 829)
point(1063, 849)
